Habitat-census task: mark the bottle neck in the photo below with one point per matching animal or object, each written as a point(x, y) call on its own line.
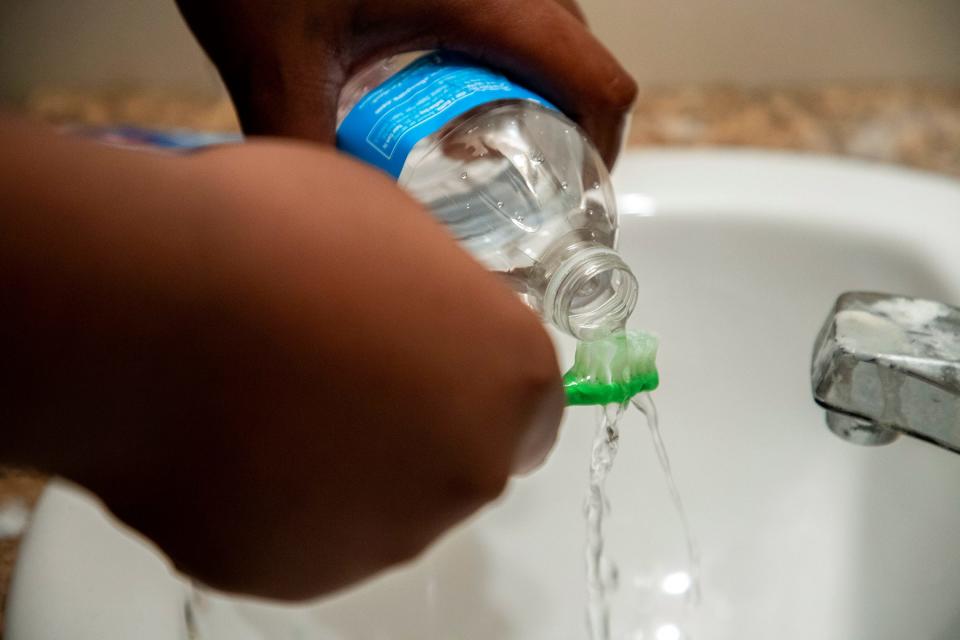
point(590, 293)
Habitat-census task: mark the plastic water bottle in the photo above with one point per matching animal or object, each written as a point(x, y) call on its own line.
point(514, 180)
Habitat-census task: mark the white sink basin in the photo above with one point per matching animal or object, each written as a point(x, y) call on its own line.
point(803, 536)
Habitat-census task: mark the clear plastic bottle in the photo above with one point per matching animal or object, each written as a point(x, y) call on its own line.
point(523, 190)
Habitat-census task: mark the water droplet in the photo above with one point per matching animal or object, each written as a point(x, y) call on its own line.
point(676, 583)
point(566, 131)
point(519, 217)
point(536, 158)
point(468, 205)
point(463, 176)
point(596, 185)
point(499, 204)
point(589, 212)
point(668, 632)
point(564, 185)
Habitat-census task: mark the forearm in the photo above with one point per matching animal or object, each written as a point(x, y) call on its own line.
point(92, 240)
point(141, 290)
point(223, 340)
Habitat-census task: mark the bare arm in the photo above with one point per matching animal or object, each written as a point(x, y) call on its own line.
point(258, 354)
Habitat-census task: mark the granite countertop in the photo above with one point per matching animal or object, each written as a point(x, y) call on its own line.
point(916, 126)
point(913, 126)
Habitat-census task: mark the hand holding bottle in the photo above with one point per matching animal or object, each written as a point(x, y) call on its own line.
point(286, 62)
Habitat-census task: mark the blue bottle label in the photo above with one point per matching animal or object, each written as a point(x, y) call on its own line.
point(417, 101)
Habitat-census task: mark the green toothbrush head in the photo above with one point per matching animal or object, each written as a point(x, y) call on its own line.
point(612, 369)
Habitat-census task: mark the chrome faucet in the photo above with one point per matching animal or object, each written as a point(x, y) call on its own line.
point(884, 365)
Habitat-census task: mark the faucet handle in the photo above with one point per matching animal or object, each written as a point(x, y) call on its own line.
point(886, 364)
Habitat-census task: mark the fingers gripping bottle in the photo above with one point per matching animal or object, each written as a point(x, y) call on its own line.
point(513, 179)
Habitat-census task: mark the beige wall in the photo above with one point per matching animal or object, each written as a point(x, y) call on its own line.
point(781, 41)
point(92, 42)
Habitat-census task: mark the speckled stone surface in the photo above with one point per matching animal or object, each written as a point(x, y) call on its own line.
point(917, 126)
point(17, 488)
point(913, 126)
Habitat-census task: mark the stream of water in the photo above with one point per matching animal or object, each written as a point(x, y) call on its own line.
point(602, 573)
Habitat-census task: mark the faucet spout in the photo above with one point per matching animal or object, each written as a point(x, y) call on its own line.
point(885, 365)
